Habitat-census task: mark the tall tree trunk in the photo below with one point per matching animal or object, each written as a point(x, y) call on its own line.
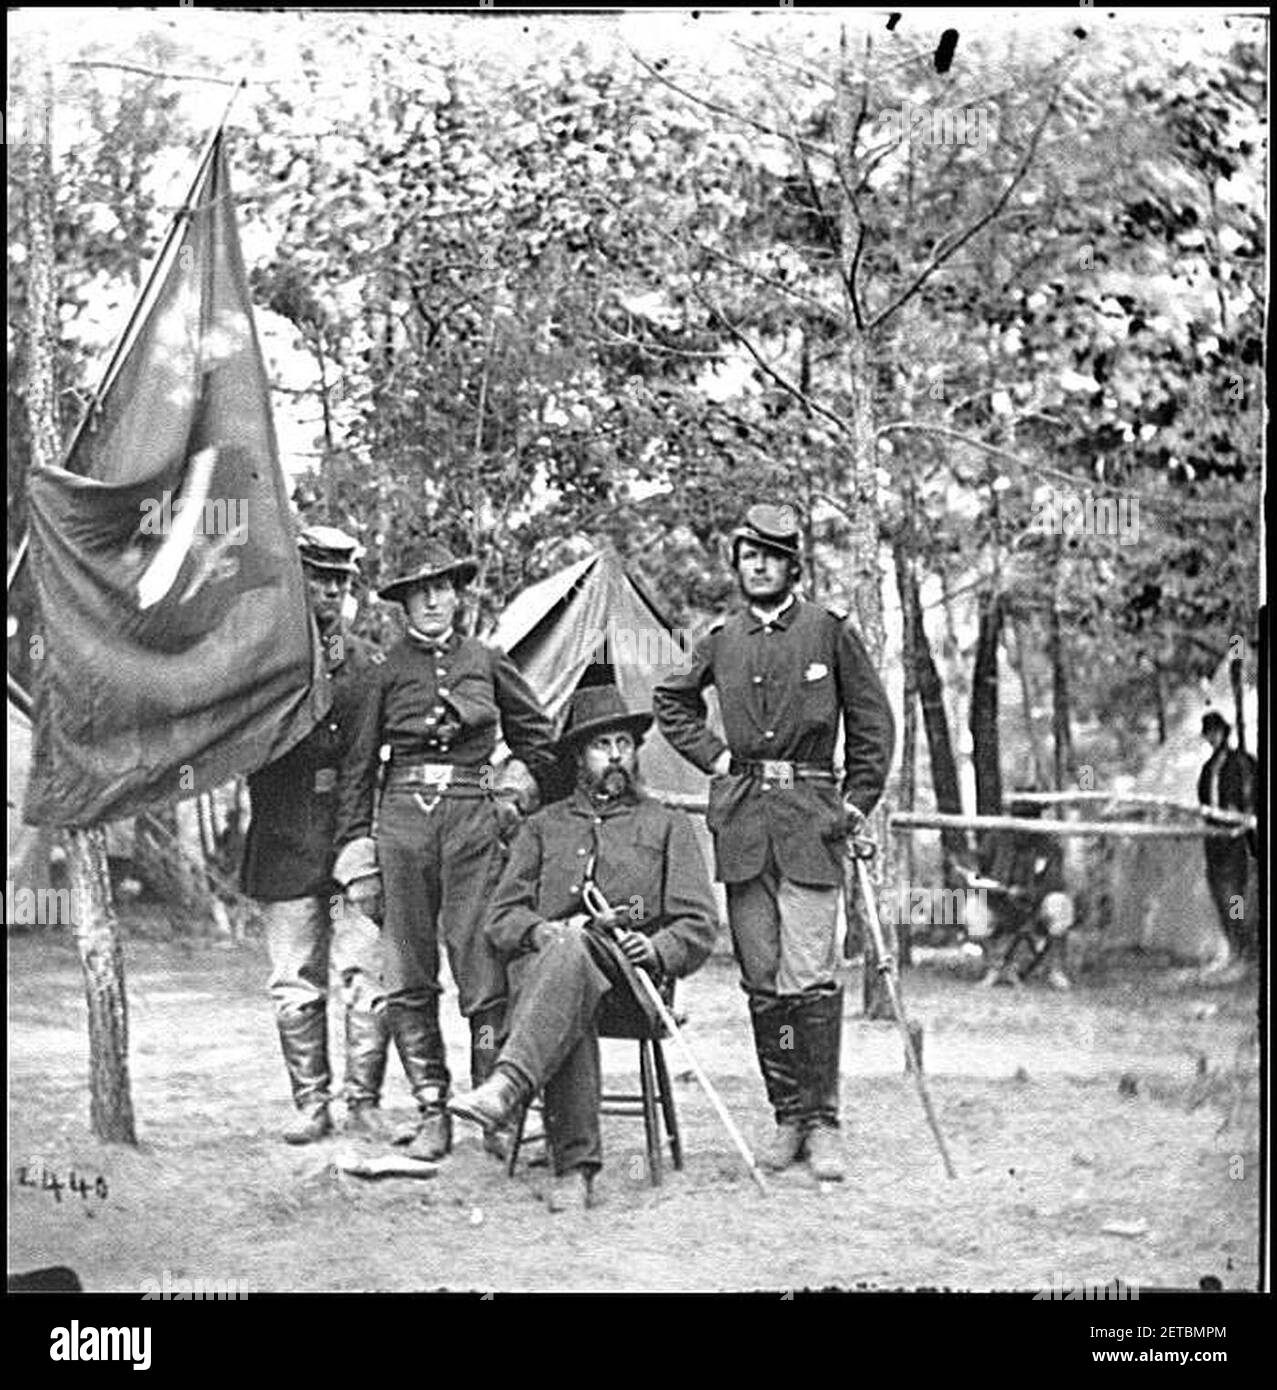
point(1159, 696)
point(1239, 709)
point(935, 719)
point(93, 914)
point(906, 583)
point(98, 941)
point(1018, 651)
point(1060, 723)
point(984, 712)
point(862, 495)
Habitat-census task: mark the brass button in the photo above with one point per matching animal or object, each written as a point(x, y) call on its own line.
point(771, 733)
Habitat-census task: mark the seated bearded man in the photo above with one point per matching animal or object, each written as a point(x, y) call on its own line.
point(568, 955)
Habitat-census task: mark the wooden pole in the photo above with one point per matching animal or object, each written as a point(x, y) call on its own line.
point(1132, 830)
point(1129, 799)
point(93, 914)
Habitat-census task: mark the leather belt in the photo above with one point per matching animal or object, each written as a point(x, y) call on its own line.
point(781, 772)
point(436, 777)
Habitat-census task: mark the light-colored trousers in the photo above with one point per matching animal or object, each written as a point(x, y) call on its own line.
point(306, 938)
point(783, 934)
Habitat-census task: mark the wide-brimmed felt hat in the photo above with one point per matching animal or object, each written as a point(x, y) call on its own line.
point(328, 548)
point(599, 709)
point(437, 562)
point(774, 527)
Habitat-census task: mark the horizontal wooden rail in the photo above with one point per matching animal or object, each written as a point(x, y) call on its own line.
point(908, 821)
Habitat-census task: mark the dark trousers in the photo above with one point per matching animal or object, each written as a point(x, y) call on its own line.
point(558, 994)
point(440, 858)
point(1227, 865)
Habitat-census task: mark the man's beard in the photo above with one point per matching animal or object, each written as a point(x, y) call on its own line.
point(610, 784)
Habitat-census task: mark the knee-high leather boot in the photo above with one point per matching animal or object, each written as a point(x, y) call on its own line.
point(776, 1042)
point(486, 1029)
point(414, 1025)
point(820, 1042)
point(303, 1035)
point(367, 1045)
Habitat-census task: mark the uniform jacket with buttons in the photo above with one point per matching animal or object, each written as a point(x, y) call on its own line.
point(644, 858)
point(441, 704)
point(782, 687)
point(288, 852)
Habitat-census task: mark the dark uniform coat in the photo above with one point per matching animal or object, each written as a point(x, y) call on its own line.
point(644, 857)
point(782, 688)
point(288, 852)
point(441, 704)
point(1227, 781)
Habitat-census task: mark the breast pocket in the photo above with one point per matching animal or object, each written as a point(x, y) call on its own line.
point(637, 888)
point(816, 699)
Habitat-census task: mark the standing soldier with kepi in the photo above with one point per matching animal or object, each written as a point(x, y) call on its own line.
point(439, 701)
point(288, 861)
point(786, 671)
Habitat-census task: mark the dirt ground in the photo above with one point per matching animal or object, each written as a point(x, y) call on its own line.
point(1131, 1102)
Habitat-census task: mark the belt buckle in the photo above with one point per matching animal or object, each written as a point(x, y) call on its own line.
point(435, 774)
point(777, 772)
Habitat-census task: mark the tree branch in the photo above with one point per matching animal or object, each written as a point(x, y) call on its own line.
point(954, 244)
point(772, 56)
point(727, 111)
point(152, 72)
point(792, 291)
point(768, 370)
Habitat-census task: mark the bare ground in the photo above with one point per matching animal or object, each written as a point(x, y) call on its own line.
point(1050, 1144)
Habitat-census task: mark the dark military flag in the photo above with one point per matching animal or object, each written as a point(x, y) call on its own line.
point(174, 647)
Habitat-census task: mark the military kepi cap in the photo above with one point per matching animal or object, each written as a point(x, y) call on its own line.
point(600, 709)
point(1213, 720)
point(327, 548)
point(775, 527)
point(437, 562)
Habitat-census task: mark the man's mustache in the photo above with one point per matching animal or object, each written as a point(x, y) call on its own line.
point(614, 780)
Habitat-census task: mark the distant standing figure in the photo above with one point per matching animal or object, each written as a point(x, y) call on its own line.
point(1227, 782)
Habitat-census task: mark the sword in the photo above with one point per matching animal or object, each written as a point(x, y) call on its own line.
point(643, 983)
point(859, 850)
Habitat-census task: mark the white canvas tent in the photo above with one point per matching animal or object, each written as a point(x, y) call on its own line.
point(592, 623)
point(1157, 888)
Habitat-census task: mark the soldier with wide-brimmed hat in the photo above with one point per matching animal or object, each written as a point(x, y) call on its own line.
point(787, 673)
point(567, 960)
point(439, 702)
point(288, 862)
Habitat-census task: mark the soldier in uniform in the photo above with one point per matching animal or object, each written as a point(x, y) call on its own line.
point(1227, 781)
point(786, 672)
point(288, 861)
point(438, 702)
point(567, 971)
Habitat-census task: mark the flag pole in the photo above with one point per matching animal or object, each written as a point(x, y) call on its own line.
point(94, 922)
point(125, 340)
point(19, 696)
